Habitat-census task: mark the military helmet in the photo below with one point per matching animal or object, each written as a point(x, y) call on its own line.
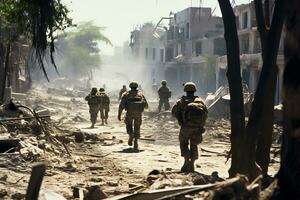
point(133, 84)
point(102, 90)
point(164, 82)
point(190, 87)
point(94, 91)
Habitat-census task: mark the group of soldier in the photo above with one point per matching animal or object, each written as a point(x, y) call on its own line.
point(189, 110)
point(98, 101)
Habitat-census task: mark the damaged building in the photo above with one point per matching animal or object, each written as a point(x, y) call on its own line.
point(250, 52)
point(191, 41)
point(192, 48)
point(14, 65)
point(147, 49)
point(183, 51)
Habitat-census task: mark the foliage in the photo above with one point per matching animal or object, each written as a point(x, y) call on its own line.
point(37, 19)
point(79, 49)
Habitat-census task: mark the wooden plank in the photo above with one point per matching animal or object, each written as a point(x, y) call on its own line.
point(35, 181)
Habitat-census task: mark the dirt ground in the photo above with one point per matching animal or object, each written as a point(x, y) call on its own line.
point(104, 158)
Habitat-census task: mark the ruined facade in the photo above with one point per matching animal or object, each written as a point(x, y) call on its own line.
point(17, 75)
point(192, 48)
point(192, 38)
point(148, 50)
point(250, 51)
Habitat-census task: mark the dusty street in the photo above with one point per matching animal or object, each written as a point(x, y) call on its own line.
point(104, 158)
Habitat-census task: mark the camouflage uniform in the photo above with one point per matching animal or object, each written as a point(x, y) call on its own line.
point(164, 95)
point(104, 106)
point(122, 91)
point(187, 135)
point(93, 102)
point(133, 118)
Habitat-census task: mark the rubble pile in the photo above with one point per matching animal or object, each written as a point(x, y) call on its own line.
point(167, 179)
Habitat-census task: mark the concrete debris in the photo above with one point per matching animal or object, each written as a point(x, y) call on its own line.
point(80, 156)
point(50, 195)
point(218, 103)
point(95, 193)
point(79, 137)
point(3, 193)
point(3, 177)
point(18, 196)
point(3, 129)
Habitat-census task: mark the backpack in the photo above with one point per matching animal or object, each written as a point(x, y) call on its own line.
point(135, 103)
point(195, 114)
point(104, 98)
point(92, 99)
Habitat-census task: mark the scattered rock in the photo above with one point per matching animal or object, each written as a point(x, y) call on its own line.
point(92, 137)
point(95, 193)
point(199, 180)
point(18, 196)
point(50, 195)
point(112, 183)
point(3, 129)
point(79, 137)
point(3, 177)
point(70, 167)
point(3, 193)
point(92, 168)
point(154, 172)
point(96, 179)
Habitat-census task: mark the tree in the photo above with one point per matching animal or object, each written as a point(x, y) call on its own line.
point(289, 174)
point(38, 20)
point(79, 50)
point(244, 138)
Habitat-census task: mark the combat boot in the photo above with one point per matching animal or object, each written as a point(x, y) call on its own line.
point(93, 125)
point(186, 165)
point(106, 121)
point(102, 124)
point(130, 139)
point(135, 145)
point(192, 165)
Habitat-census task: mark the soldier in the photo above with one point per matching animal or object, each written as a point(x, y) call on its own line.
point(134, 102)
point(104, 105)
point(93, 102)
point(122, 91)
point(164, 94)
point(191, 114)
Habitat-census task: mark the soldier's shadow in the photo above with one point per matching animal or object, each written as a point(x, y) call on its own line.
point(89, 128)
point(129, 150)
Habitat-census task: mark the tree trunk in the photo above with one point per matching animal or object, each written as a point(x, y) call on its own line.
point(289, 173)
point(2, 69)
point(3, 83)
point(261, 108)
point(266, 131)
point(235, 89)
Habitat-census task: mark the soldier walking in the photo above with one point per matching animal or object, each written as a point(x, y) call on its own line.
point(104, 105)
point(164, 94)
point(93, 102)
point(122, 91)
point(191, 114)
point(134, 102)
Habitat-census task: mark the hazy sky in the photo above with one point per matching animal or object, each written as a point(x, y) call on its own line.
point(121, 16)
